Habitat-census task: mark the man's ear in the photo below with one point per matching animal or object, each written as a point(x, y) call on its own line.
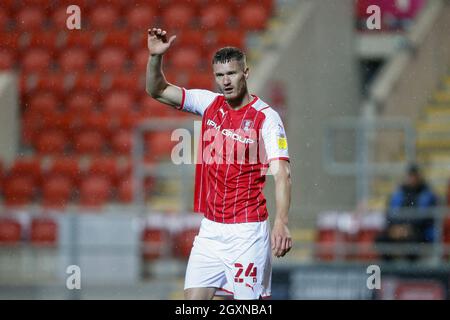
point(246, 72)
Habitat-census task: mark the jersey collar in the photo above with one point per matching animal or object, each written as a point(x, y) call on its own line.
point(245, 107)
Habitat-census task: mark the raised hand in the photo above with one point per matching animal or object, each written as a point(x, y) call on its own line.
point(157, 41)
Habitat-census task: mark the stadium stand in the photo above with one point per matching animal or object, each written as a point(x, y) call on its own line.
point(82, 94)
point(80, 79)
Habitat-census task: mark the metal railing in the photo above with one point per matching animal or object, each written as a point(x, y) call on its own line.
point(344, 242)
point(363, 168)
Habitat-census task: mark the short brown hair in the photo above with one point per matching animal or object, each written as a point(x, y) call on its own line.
point(228, 54)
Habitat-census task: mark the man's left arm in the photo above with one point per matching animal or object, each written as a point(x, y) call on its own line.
point(281, 237)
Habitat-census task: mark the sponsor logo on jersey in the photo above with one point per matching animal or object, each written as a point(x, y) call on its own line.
point(229, 133)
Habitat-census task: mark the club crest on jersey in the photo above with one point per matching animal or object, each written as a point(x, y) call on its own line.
point(246, 125)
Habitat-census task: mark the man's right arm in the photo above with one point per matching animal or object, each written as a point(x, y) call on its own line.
point(157, 85)
point(195, 100)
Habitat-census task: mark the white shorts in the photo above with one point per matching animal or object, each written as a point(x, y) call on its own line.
point(234, 258)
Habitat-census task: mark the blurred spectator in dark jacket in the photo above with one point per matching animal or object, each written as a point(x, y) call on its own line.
point(414, 196)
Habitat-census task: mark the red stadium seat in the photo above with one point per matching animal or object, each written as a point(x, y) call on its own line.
point(7, 59)
point(178, 17)
point(133, 82)
point(81, 102)
point(120, 5)
point(43, 103)
point(140, 59)
point(326, 241)
point(122, 142)
point(40, 3)
point(1, 175)
point(33, 123)
point(35, 60)
point(118, 102)
point(152, 108)
point(67, 167)
point(73, 59)
point(253, 17)
point(104, 17)
point(104, 166)
point(51, 142)
point(80, 38)
point(155, 242)
point(54, 82)
point(30, 18)
point(9, 5)
point(43, 39)
point(26, 167)
point(127, 121)
point(58, 121)
point(4, 19)
point(90, 81)
point(43, 232)
point(9, 40)
point(111, 59)
point(366, 244)
point(233, 5)
point(191, 37)
point(159, 145)
point(140, 17)
point(83, 4)
point(113, 38)
point(10, 231)
point(56, 191)
point(18, 191)
point(446, 231)
point(215, 16)
point(183, 241)
point(203, 80)
point(231, 38)
point(59, 18)
point(98, 122)
point(94, 191)
point(187, 58)
point(89, 142)
point(125, 190)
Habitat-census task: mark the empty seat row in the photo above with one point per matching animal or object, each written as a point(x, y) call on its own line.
point(41, 99)
point(108, 59)
point(159, 243)
point(56, 42)
point(58, 191)
point(252, 16)
point(158, 145)
point(42, 231)
point(97, 85)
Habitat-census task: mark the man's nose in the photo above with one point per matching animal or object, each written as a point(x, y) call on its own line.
point(226, 80)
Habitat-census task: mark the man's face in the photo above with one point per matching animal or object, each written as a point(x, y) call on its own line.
point(412, 180)
point(231, 78)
